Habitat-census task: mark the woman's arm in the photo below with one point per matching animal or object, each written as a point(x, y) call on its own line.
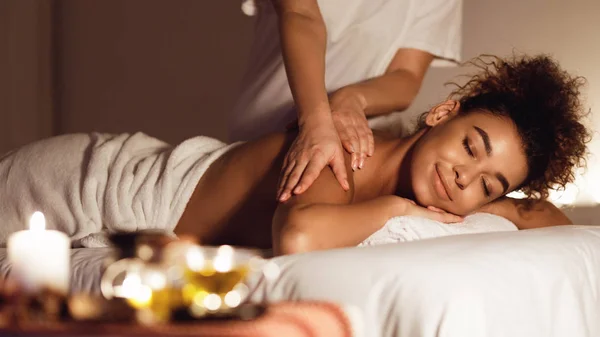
point(306, 227)
point(325, 217)
point(527, 214)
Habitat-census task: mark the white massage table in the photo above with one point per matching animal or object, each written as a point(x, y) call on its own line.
point(542, 282)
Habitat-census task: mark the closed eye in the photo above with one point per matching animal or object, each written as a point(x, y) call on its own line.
point(486, 191)
point(467, 147)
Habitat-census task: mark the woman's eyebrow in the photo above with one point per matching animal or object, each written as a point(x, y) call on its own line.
point(488, 149)
point(503, 181)
point(486, 139)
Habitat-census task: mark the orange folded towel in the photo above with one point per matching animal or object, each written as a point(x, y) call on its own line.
point(286, 319)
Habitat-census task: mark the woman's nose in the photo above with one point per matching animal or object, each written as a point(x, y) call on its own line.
point(463, 176)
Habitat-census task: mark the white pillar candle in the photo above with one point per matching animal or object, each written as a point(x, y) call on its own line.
point(40, 258)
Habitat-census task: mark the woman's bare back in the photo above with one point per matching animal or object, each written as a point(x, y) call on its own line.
point(235, 200)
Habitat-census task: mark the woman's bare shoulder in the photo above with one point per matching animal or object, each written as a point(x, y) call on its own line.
point(381, 136)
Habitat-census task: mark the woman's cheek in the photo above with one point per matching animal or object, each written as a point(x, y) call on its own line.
point(468, 205)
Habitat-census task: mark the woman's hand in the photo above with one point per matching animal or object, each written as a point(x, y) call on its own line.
point(316, 146)
point(401, 206)
point(348, 111)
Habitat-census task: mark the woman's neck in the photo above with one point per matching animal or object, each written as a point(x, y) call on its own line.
point(394, 164)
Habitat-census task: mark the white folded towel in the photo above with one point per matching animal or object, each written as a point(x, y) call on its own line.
point(90, 185)
point(410, 228)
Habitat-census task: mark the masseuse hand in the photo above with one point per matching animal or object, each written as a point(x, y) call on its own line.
point(401, 206)
point(348, 111)
point(316, 146)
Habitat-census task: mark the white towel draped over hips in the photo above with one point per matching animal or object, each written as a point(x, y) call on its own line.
point(88, 185)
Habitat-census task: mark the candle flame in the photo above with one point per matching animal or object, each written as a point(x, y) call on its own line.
point(37, 222)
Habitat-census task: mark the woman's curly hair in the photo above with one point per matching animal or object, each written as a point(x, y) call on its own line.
point(544, 103)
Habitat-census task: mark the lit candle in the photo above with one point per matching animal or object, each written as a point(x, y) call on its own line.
point(40, 258)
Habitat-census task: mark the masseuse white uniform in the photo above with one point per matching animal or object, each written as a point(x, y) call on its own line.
point(362, 38)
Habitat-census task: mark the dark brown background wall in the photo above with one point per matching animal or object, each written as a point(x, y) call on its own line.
point(171, 67)
point(26, 108)
point(168, 68)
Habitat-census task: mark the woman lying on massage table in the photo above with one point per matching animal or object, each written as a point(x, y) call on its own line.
point(514, 126)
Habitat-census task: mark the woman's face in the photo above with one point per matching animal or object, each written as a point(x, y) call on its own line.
point(466, 161)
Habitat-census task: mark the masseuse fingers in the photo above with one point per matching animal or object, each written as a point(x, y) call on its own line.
point(348, 146)
point(346, 142)
point(292, 179)
point(311, 173)
point(370, 142)
point(355, 143)
point(355, 160)
point(344, 135)
point(363, 137)
point(339, 170)
point(353, 156)
point(286, 171)
point(351, 143)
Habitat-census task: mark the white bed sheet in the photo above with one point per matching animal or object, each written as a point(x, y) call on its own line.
point(542, 282)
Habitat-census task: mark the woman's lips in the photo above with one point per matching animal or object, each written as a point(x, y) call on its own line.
point(440, 186)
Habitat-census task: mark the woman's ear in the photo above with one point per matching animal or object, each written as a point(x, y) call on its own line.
point(441, 112)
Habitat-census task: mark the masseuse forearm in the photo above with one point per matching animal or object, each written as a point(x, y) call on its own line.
point(393, 91)
point(304, 40)
point(304, 228)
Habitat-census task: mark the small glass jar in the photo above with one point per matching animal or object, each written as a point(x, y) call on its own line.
point(213, 278)
point(141, 278)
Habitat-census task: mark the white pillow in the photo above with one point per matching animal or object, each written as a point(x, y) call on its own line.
point(541, 282)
